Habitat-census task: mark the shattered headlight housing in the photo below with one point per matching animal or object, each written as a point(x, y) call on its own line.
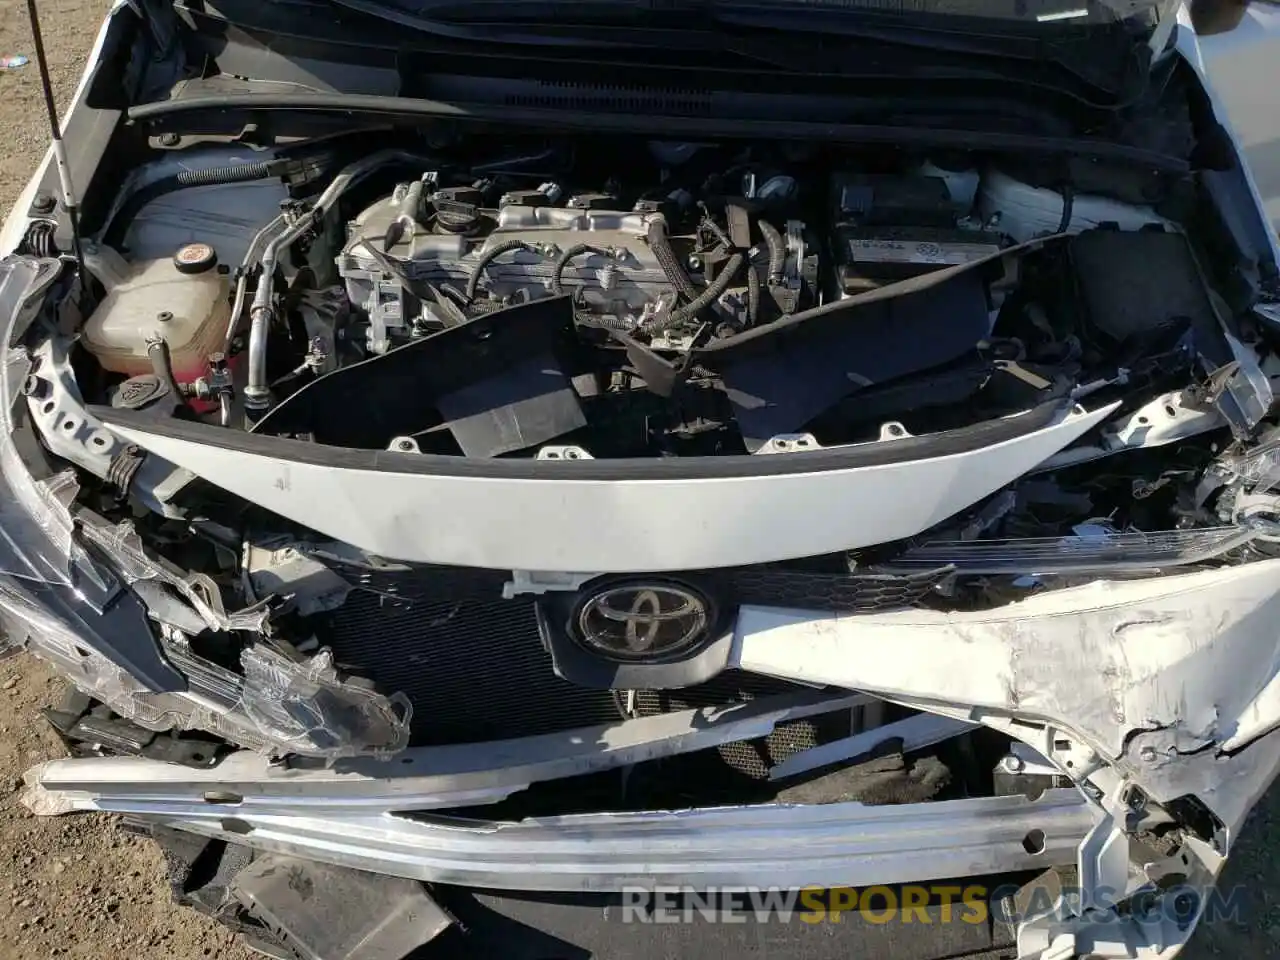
point(68, 577)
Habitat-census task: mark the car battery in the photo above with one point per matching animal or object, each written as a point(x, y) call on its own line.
point(867, 257)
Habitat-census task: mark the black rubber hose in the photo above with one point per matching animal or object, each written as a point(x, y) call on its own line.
point(233, 173)
point(473, 281)
point(753, 294)
point(667, 259)
point(577, 250)
point(162, 366)
point(1068, 208)
point(604, 323)
point(708, 296)
point(777, 250)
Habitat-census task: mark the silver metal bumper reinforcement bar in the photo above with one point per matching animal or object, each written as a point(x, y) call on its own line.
point(376, 815)
point(772, 846)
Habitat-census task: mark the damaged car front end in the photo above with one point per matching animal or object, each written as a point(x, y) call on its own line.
point(489, 492)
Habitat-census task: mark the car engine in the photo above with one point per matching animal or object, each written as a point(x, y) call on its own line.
point(620, 266)
point(748, 295)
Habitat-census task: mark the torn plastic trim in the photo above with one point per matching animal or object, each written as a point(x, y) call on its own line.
point(1133, 690)
point(279, 706)
point(1163, 420)
point(420, 778)
point(770, 846)
point(145, 693)
point(1101, 659)
point(322, 912)
point(1249, 389)
point(667, 516)
point(1107, 553)
point(123, 545)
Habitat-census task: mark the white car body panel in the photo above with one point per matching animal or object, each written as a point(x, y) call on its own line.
point(1243, 67)
point(617, 526)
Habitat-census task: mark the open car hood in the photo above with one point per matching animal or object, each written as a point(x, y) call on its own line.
point(1149, 20)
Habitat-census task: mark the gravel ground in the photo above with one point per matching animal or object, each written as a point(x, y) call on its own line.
point(76, 886)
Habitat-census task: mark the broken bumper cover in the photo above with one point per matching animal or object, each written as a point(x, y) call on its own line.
point(1146, 693)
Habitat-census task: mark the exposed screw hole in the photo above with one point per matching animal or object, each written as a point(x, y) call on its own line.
point(1169, 409)
point(1033, 842)
point(1143, 420)
point(48, 406)
point(1185, 906)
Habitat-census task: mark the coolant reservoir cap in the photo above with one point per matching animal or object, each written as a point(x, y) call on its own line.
point(195, 258)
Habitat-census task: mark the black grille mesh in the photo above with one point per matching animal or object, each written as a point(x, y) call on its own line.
point(773, 585)
point(475, 668)
point(750, 757)
point(472, 663)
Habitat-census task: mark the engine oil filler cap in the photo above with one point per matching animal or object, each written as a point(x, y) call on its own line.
point(195, 258)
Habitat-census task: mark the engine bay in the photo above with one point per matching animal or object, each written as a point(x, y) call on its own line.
point(637, 298)
point(635, 301)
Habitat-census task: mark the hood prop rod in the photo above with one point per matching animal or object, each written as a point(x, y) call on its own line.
point(59, 150)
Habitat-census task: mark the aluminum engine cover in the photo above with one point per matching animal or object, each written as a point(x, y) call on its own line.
point(619, 286)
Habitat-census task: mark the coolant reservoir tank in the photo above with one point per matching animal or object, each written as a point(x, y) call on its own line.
point(184, 299)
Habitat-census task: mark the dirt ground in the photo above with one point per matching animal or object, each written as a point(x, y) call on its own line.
point(76, 886)
point(70, 886)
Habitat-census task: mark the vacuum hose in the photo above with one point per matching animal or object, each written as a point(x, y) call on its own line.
point(577, 250)
point(473, 281)
point(710, 294)
point(162, 366)
point(667, 259)
point(753, 293)
point(777, 251)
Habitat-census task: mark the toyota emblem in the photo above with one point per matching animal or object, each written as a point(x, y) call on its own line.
point(650, 621)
